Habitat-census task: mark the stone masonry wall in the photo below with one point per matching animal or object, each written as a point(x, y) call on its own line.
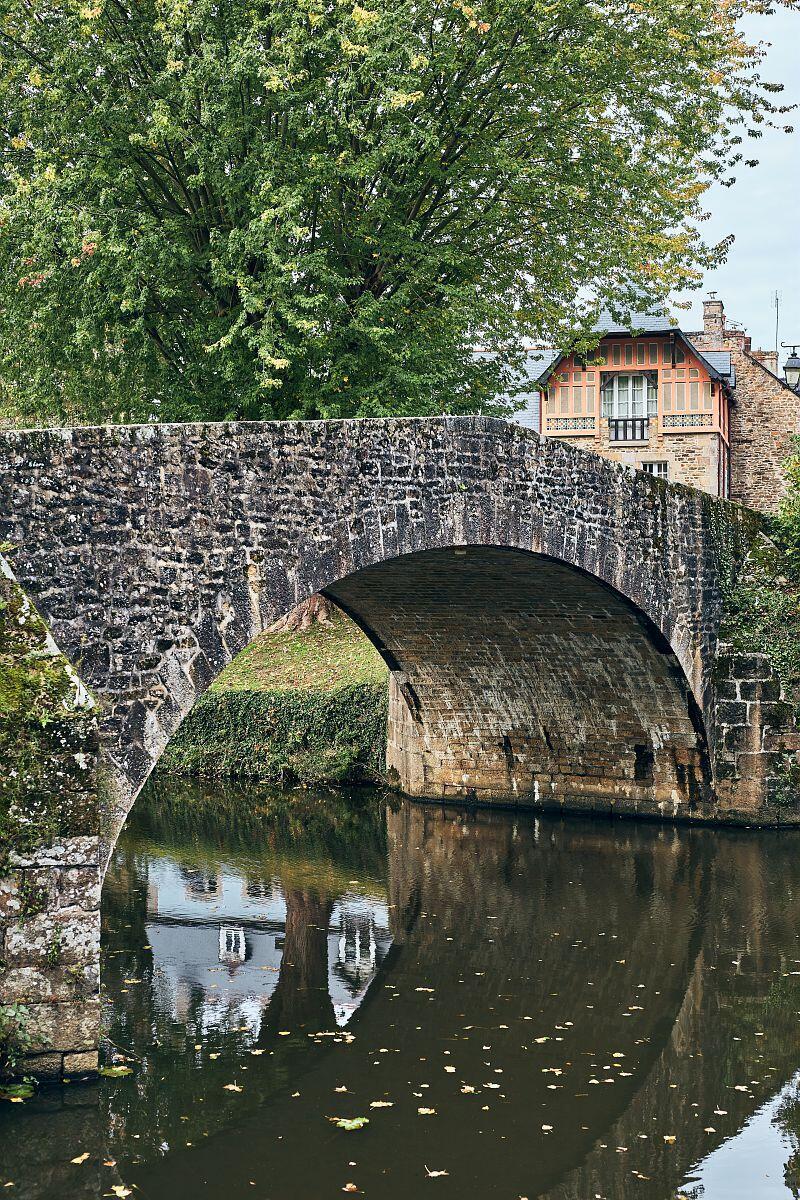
point(49, 845)
point(765, 416)
point(693, 458)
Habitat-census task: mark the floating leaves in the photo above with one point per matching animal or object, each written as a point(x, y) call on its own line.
point(80, 1159)
point(17, 1093)
point(349, 1123)
point(116, 1072)
point(231, 1087)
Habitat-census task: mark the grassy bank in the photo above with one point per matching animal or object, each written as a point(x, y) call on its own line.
point(294, 707)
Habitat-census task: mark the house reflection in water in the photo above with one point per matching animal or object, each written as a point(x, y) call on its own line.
point(217, 941)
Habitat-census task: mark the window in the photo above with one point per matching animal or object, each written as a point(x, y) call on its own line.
point(640, 353)
point(628, 355)
point(659, 469)
point(654, 354)
point(630, 396)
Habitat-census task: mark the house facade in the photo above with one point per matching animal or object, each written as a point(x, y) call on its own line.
point(696, 407)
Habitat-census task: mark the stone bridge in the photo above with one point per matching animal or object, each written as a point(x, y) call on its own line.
point(550, 619)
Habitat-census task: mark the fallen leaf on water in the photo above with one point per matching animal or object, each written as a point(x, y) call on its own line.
point(216, 1055)
point(709, 1129)
point(426, 1112)
point(669, 1138)
point(81, 1158)
point(450, 1070)
point(120, 1190)
point(435, 1174)
point(381, 1103)
point(17, 1092)
point(131, 981)
point(349, 1187)
point(340, 1089)
point(547, 1128)
point(467, 1089)
point(255, 1053)
point(116, 1072)
point(231, 1087)
point(284, 1033)
point(349, 1123)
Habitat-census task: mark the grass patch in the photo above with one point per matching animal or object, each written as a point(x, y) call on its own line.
point(324, 658)
point(295, 707)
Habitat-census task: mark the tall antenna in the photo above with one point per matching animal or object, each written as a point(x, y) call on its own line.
point(777, 300)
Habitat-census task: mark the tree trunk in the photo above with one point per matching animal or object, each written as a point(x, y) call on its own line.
point(316, 610)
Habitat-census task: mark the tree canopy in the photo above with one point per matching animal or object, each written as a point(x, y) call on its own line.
point(301, 208)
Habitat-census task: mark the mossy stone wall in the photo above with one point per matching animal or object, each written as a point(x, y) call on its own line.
point(49, 850)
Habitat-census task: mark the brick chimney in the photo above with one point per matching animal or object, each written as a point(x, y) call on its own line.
point(713, 322)
point(768, 357)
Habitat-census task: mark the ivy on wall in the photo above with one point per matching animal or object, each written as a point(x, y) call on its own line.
point(299, 736)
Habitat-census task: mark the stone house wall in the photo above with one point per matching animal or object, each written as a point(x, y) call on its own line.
point(765, 413)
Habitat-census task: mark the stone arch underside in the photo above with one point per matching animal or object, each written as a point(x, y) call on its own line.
point(517, 678)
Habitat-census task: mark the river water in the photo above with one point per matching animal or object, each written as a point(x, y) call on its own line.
point(520, 1006)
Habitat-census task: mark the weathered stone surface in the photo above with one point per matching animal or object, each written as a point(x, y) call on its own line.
point(57, 937)
point(81, 1064)
point(70, 1026)
point(550, 619)
point(69, 852)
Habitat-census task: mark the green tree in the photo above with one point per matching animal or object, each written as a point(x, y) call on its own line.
point(301, 208)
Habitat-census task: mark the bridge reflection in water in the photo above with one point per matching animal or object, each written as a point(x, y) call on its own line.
point(589, 1009)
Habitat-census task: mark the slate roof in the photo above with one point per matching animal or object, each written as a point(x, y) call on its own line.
point(642, 322)
point(722, 363)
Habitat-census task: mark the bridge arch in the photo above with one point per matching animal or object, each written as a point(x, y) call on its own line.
point(156, 553)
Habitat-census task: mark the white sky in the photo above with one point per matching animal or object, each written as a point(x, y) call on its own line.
point(762, 210)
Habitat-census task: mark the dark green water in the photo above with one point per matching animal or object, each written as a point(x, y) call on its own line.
point(520, 1006)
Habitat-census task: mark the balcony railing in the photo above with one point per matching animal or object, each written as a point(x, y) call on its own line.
point(628, 429)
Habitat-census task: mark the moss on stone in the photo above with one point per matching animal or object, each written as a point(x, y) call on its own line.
point(47, 732)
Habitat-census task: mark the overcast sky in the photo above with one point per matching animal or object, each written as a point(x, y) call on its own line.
point(762, 210)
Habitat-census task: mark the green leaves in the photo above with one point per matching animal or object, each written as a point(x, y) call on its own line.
point(302, 209)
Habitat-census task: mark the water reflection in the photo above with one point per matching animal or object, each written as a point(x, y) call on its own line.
point(197, 917)
point(520, 1006)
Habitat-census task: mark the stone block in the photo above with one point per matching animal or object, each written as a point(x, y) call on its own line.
point(86, 1063)
point(68, 852)
point(46, 1067)
point(66, 1027)
point(10, 900)
point(59, 937)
